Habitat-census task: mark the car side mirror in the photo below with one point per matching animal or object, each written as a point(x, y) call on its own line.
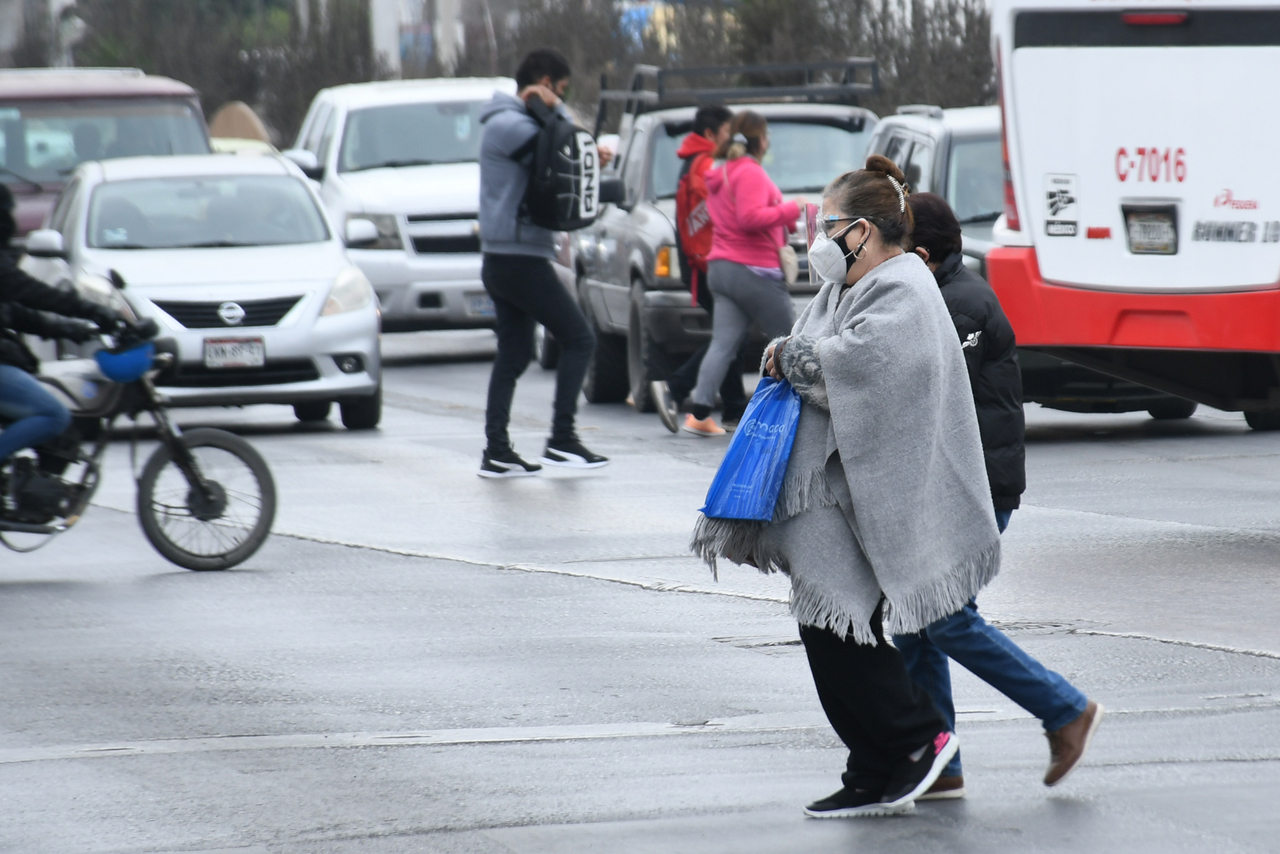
point(46, 243)
point(306, 161)
point(612, 191)
point(361, 232)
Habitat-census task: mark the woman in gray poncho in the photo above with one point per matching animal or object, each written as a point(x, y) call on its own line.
point(885, 519)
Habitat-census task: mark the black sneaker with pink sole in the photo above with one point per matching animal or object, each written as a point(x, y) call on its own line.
point(913, 775)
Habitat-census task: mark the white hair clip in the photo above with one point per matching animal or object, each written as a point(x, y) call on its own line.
point(741, 139)
point(902, 197)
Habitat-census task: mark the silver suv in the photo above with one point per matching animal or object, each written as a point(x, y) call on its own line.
point(628, 268)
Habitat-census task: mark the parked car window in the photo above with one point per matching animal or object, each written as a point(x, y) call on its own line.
point(633, 168)
point(173, 213)
point(897, 150)
point(919, 168)
point(58, 218)
point(975, 179)
point(310, 140)
point(327, 131)
point(44, 141)
point(410, 135)
point(802, 158)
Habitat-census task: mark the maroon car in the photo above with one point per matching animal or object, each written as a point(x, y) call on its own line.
point(51, 119)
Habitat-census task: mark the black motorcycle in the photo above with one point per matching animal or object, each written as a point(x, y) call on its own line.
point(206, 499)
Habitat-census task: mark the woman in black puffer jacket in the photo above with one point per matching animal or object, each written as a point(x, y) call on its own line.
point(989, 350)
point(986, 338)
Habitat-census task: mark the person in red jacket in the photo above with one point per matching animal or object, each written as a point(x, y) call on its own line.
point(693, 242)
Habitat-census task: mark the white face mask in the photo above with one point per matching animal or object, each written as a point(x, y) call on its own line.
point(828, 261)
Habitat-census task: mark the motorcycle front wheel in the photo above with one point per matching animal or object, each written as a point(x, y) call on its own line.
point(211, 530)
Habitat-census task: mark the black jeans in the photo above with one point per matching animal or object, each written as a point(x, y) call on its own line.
point(525, 291)
point(685, 377)
point(878, 712)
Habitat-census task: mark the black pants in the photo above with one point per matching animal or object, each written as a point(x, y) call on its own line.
point(685, 377)
point(875, 708)
point(525, 291)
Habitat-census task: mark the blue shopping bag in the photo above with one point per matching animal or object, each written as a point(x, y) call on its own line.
point(747, 484)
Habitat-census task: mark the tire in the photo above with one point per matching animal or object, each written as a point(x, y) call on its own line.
point(1263, 420)
point(362, 413)
point(546, 349)
point(606, 379)
point(312, 411)
point(176, 529)
point(1173, 410)
point(646, 362)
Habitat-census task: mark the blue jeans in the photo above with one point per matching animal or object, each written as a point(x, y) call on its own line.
point(986, 653)
point(36, 415)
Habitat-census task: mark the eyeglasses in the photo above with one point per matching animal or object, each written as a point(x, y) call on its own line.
point(830, 219)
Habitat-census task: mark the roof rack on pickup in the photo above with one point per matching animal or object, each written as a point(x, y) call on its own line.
point(830, 82)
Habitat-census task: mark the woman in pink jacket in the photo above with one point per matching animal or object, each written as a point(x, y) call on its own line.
point(751, 222)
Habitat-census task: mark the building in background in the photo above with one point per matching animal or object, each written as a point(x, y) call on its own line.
point(22, 31)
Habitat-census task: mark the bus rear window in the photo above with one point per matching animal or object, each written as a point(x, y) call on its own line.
point(1199, 28)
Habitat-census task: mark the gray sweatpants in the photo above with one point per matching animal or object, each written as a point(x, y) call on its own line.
point(742, 298)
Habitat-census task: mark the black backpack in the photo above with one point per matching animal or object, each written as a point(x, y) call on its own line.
point(564, 183)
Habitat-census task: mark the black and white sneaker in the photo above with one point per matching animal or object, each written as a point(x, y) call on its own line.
point(572, 454)
point(667, 409)
point(913, 776)
point(506, 464)
point(854, 803)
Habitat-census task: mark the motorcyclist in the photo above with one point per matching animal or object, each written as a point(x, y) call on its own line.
point(34, 414)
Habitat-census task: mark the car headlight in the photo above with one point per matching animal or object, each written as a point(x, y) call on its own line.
point(351, 291)
point(388, 230)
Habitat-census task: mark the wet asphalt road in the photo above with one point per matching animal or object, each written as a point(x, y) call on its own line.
point(421, 660)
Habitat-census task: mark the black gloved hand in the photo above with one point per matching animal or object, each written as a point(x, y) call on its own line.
point(108, 320)
point(73, 330)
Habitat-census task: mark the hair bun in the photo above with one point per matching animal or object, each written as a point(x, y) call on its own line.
point(885, 166)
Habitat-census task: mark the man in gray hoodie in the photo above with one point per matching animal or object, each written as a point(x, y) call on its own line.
point(518, 275)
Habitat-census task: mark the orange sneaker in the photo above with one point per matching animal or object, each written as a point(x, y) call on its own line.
point(706, 427)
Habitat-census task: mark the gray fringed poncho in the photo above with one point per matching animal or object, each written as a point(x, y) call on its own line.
point(885, 492)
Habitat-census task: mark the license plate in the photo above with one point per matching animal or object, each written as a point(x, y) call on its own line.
point(480, 305)
point(1152, 232)
point(234, 353)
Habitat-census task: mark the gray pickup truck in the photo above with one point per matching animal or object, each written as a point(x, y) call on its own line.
point(628, 267)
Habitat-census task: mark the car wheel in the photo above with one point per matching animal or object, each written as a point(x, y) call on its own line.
point(312, 410)
point(362, 413)
point(1172, 410)
point(646, 361)
point(546, 349)
point(606, 379)
point(1263, 420)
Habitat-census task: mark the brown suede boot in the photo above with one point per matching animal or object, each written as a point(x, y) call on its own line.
point(1068, 744)
point(944, 789)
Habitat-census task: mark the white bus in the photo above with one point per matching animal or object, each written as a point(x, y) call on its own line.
point(1141, 229)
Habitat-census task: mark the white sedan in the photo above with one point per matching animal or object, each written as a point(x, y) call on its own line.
point(236, 260)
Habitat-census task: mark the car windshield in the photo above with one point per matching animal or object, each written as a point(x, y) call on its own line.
point(803, 157)
point(44, 141)
point(411, 135)
point(180, 213)
point(975, 180)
